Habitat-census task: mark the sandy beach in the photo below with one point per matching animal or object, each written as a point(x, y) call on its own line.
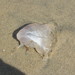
point(16, 13)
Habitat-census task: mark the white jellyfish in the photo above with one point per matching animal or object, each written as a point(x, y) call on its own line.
point(38, 36)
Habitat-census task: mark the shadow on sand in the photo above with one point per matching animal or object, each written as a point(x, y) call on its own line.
point(6, 69)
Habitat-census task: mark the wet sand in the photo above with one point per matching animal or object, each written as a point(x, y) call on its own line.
point(16, 13)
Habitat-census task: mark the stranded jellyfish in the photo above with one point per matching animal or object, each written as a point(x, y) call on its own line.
point(41, 37)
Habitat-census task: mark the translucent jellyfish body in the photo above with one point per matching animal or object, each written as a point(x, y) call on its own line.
point(38, 36)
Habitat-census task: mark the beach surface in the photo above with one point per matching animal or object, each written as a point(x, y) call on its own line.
point(16, 13)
